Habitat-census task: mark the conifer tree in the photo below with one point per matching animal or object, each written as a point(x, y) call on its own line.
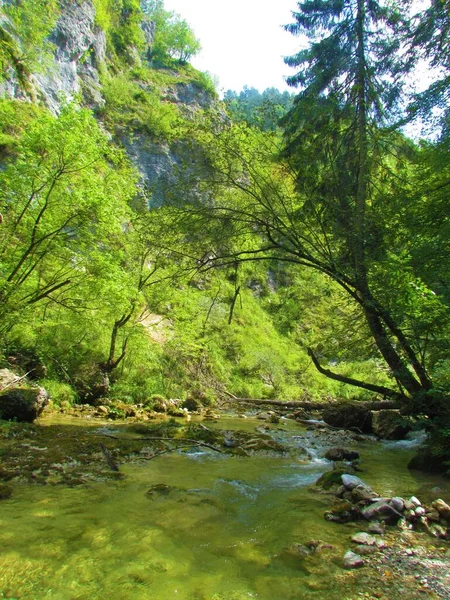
point(350, 85)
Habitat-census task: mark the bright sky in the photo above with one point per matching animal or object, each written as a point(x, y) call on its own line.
point(243, 42)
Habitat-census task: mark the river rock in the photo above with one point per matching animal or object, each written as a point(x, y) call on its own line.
point(398, 503)
point(376, 528)
point(363, 493)
point(343, 512)
point(442, 508)
point(433, 515)
point(439, 532)
point(351, 481)
point(390, 425)
point(420, 511)
point(364, 538)
point(366, 550)
point(333, 478)
point(415, 501)
point(349, 416)
point(336, 454)
point(23, 404)
point(353, 560)
point(381, 510)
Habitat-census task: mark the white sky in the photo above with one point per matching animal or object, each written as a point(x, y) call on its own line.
point(243, 42)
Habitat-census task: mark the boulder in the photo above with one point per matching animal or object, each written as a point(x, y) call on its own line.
point(22, 404)
point(390, 425)
point(381, 510)
point(337, 454)
point(7, 378)
point(349, 416)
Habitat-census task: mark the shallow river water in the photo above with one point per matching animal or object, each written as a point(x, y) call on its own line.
point(218, 536)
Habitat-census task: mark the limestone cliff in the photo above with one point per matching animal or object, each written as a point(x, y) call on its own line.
point(81, 60)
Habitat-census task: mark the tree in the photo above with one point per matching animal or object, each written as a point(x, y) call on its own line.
point(325, 204)
point(173, 37)
point(64, 200)
point(428, 38)
point(261, 110)
point(351, 72)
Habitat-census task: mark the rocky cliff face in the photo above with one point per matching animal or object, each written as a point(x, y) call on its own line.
point(74, 71)
point(79, 53)
point(80, 50)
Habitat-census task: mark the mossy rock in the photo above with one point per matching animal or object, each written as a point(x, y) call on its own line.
point(349, 416)
point(22, 404)
point(390, 425)
point(333, 478)
point(192, 404)
point(343, 512)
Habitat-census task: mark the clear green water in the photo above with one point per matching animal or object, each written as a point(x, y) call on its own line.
point(219, 537)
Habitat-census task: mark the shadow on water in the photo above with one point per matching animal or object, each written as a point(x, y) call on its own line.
point(194, 525)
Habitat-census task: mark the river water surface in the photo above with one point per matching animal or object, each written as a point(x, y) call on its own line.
point(218, 534)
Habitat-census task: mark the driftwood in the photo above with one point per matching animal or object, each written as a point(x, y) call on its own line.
point(315, 406)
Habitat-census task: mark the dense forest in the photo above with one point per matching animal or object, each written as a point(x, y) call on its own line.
point(156, 241)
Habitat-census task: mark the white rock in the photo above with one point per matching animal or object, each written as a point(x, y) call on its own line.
point(352, 560)
point(364, 538)
point(350, 481)
point(398, 503)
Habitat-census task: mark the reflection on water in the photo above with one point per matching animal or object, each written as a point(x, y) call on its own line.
point(216, 534)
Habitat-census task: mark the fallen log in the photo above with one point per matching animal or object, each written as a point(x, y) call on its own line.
point(315, 406)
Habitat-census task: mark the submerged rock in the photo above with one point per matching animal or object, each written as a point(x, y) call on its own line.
point(337, 454)
point(160, 489)
point(343, 512)
point(353, 560)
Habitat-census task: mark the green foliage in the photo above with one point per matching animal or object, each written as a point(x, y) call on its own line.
point(61, 394)
point(121, 21)
point(137, 107)
point(24, 28)
point(174, 39)
point(263, 110)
